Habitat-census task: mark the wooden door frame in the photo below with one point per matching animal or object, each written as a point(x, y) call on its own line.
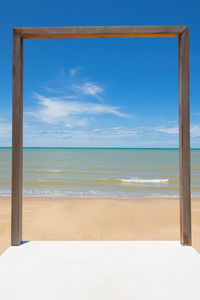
point(19, 34)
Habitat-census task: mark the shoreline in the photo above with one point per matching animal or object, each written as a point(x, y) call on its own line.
point(48, 218)
point(98, 197)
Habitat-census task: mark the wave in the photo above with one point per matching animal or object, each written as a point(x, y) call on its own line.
point(5, 181)
point(61, 171)
point(138, 180)
point(87, 181)
point(44, 181)
point(49, 171)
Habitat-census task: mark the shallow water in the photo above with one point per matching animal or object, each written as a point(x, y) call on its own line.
point(75, 172)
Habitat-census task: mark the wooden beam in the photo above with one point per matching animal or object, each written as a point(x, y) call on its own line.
point(100, 32)
point(184, 140)
point(17, 144)
point(76, 36)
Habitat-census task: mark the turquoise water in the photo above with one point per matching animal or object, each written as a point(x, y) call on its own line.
point(74, 172)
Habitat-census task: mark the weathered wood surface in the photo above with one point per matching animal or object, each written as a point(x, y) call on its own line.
point(17, 136)
point(184, 140)
point(101, 32)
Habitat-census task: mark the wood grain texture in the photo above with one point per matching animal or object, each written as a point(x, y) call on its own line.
point(100, 32)
point(17, 134)
point(184, 140)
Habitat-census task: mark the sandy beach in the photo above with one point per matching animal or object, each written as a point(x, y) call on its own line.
point(98, 219)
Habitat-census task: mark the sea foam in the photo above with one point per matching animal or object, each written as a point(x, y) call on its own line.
point(138, 180)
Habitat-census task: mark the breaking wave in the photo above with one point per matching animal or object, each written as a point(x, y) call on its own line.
point(140, 180)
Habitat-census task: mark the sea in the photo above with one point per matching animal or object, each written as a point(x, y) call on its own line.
point(99, 172)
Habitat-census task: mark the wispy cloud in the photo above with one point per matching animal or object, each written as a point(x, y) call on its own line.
point(167, 130)
point(74, 71)
point(5, 129)
point(77, 110)
point(103, 137)
point(69, 85)
point(56, 110)
point(195, 131)
point(89, 88)
point(75, 133)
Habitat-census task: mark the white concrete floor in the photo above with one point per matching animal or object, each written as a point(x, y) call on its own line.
point(100, 271)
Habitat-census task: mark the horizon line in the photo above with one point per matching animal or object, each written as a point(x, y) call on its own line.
point(49, 147)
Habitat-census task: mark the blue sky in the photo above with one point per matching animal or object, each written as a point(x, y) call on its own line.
point(99, 92)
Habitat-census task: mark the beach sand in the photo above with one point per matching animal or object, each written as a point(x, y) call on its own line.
point(98, 219)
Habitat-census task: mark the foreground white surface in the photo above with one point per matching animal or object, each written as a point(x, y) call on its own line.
point(100, 271)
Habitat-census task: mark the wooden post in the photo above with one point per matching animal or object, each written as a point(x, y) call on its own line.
point(184, 140)
point(17, 139)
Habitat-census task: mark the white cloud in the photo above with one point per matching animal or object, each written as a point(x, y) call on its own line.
point(69, 125)
point(77, 122)
point(170, 130)
point(74, 71)
point(195, 131)
point(5, 129)
point(56, 110)
point(89, 88)
point(102, 137)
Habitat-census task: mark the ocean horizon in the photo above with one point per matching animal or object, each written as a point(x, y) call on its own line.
point(153, 148)
point(99, 172)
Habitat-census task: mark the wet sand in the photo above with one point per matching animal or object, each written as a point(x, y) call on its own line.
point(98, 219)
